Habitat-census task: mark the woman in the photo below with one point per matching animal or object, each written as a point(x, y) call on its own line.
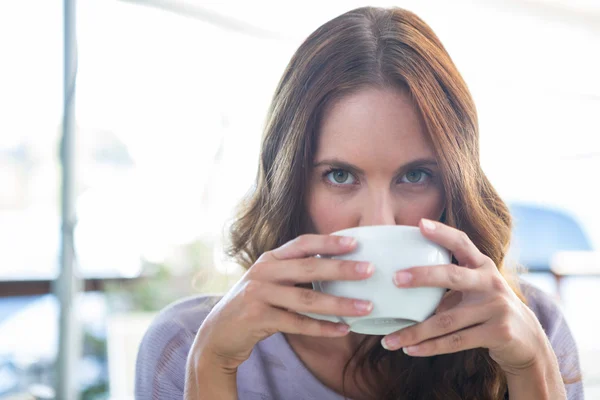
point(371, 124)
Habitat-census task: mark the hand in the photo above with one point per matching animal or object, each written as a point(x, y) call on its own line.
point(265, 300)
point(481, 310)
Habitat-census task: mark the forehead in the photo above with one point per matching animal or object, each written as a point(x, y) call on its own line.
point(373, 124)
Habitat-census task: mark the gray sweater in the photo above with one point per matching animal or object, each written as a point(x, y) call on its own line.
point(274, 371)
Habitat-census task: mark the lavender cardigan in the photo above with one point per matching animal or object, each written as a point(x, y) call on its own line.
point(274, 371)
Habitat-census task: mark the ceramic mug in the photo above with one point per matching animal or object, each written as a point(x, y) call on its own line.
point(389, 248)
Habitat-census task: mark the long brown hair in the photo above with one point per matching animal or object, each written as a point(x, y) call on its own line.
point(375, 47)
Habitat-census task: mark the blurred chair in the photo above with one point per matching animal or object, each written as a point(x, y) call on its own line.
point(540, 234)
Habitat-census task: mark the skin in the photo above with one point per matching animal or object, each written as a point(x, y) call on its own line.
point(374, 166)
point(364, 173)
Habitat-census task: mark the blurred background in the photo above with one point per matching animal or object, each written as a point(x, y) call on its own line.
point(170, 101)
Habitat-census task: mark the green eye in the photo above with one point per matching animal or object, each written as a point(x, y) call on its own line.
point(416, 176)
point(340, 177)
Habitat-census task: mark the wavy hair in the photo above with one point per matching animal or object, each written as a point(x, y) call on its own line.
point(382, 48)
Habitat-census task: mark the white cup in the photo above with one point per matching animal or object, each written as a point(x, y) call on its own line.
point(389, 248)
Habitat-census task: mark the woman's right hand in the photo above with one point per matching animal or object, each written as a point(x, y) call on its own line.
point(266, 300)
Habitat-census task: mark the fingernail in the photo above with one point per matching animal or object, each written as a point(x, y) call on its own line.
point(364, 268)
point(347, 241)
point(410, 350)
point(390, 343)
point(363, 306)
point(343, 328)
point(402, 278)
point(428, 224)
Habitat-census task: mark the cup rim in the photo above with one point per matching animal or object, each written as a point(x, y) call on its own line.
point(378, 228)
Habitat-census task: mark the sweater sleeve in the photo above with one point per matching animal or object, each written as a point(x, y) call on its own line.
point(559, 334)
point(162, 355)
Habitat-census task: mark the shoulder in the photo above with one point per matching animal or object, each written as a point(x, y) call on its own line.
point(547, 310)
point(552, 320)
point(551, 317)
point(162, 355)
point(542, 304)
point(185, 315)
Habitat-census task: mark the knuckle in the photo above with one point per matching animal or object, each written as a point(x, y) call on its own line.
point(267, 255)
point(258, 268)
point(422, 274)
point(307, 297)
point(504, 308)
point(497, 283)
point(455, 274)
point(463, 240)
point(455, 341)
point(505, 331)
point(487, 260)
point(444, 321)
point(252, 288)
point(309, 267)
point(302, 241)
point(408, 335)
point(346, 268)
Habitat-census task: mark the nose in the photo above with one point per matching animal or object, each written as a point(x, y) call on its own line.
point(378, 210)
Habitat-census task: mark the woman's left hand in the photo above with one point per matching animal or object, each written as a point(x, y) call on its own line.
point(487, 313)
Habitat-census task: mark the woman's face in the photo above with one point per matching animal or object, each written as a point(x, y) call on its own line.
point(374, 165)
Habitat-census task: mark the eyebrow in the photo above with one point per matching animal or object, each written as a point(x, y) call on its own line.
point(337, 163)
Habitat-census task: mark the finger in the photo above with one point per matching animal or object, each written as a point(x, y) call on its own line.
point(290, 322)
point(311, 245)
point(438, 325)
point(451, 299)
point(470, 338)
point(454, 240)
point(449, 276)
point(308, 300)
point(310, 269)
